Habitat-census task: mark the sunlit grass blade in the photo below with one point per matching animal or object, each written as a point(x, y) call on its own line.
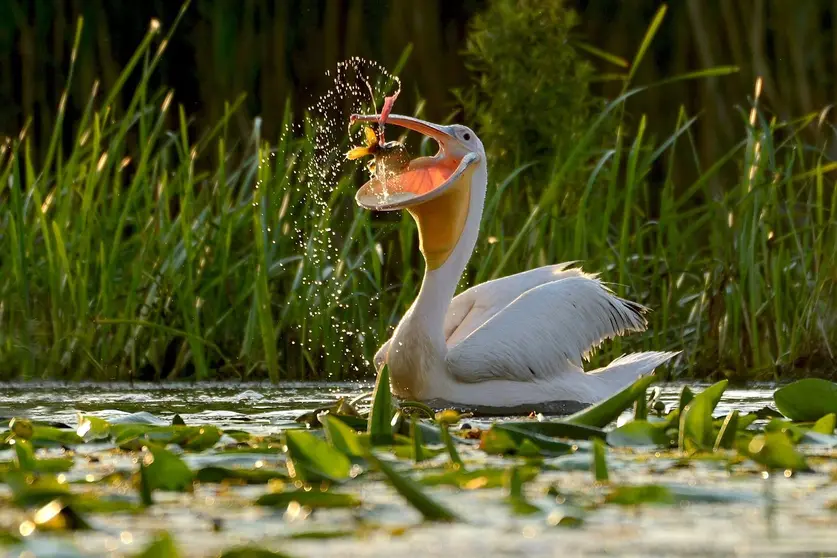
point(380, 416)
point(650, 32)
point(603, 413)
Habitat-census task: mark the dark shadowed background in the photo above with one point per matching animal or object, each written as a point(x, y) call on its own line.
point(277, 49)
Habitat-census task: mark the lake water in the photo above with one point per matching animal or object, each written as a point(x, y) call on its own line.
point(755, 517)
point(257, 407)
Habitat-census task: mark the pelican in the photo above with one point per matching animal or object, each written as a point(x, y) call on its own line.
point(517, 340)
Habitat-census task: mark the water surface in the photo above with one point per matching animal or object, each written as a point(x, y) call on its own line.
point(755, 517)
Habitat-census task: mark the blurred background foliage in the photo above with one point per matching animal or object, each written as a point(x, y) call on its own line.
point(146, 231)
point(275, 49)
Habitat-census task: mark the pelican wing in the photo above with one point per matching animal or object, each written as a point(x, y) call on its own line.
point(473, 307)
point(546, 330)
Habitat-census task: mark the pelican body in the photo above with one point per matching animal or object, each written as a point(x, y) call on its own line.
point(517, 340)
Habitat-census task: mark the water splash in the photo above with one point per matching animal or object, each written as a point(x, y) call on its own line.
point(327, 279)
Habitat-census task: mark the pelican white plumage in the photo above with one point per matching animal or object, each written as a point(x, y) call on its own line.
point(517, 340)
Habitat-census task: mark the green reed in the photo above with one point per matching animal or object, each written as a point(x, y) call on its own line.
point(155, 248)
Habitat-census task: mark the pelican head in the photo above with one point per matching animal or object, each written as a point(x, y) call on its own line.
point(436, 190)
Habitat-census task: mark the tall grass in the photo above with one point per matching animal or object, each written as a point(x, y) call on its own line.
point(273, 50)
point(156, 249)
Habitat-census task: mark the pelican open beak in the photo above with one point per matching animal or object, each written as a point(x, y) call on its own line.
point(424, 178)
point(435, 190)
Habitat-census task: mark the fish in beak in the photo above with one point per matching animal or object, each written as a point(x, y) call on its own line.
point(435, 190)
point(399, 183)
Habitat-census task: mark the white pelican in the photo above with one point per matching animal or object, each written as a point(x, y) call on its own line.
point(517, 340)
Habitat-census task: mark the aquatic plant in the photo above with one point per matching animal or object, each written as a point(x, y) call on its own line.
point(299, 481)
point(530, 101)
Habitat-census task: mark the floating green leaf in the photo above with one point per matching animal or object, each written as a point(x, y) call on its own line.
point(238, 476)
point(605, 412)
point(639, 433)
point(556, 429)
point(199, 438)
point(491, 477)
point(826, 424)
point(635, 495)
point(342, 437)
point(775, 450)
point(311, 459)
point(309, 498)
point(807, 400)
point(166, 471)
point(510, 438)
point(140, 418)
point(92, 428)
point(704, 494)
point(412, 492)
point(162, 547)
point(794, 432)
point(49, 436)
point(28, 491)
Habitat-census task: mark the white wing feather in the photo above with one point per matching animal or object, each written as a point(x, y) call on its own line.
point(547, 330)
point(475, 306)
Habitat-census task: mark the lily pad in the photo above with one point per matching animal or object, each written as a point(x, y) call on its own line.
point(489, 477)
point(309, 498)
point(634, 495)
point(775, 450)
point(30, 491)
point(557, 429)
point(509, 438)
point(238, 476)
point(825, 425)
point(807, 400)
point(92, 428)
point(166, 471)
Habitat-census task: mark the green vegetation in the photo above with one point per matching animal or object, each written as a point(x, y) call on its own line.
point(151, 248)
point(343, 465)
point(531, 101)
